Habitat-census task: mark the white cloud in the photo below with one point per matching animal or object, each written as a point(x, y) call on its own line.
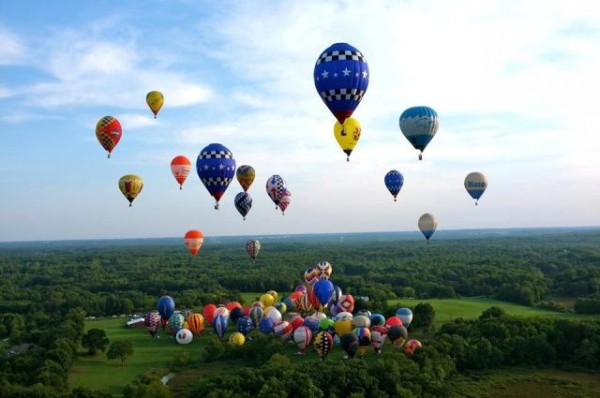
point(12, 50)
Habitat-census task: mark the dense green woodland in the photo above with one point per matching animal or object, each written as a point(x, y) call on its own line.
point(47, 289)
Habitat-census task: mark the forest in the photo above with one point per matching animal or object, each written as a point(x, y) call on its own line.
point(48, 289)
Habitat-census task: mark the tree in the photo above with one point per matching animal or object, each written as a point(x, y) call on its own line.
point(94, 340)
point(120, 349)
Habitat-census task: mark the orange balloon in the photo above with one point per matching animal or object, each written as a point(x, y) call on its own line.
point(181, 167)
point(194, 240)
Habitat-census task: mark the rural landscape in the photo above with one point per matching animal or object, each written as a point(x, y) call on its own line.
point(497, 313)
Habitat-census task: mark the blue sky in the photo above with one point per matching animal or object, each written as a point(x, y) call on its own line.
point(515, 84)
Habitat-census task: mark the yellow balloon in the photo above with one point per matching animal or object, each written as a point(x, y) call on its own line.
point(342, 327)
point(237, 339)
point(274, 294)
point(267, 300)
point(155, 101)
point(347, 135)
point(131, 185)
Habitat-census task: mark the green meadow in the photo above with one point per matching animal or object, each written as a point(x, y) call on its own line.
point(153, 355)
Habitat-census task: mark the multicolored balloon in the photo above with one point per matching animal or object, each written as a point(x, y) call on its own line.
point(276, 187)
point(245, 175)
point(341, 78)
point(181, 167)
point(193, 240)
point(253, 247)
point(243, 203)
point(475, 184)
point(130, 186)
point(394, 182)
point(184, 336)
point(216, 167)
point(220, 325)
point(419, 124)
point(152, 322)
point(302, 337)
point(108, 133)
point(195, 323)
point(347, 135)
point(155, 101)
point(175, 323)
point(323, 344)
point(285, 201)
point(427, 225)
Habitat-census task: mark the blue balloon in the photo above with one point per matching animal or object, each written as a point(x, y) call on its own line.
point(312, 322)
point(405, 315)
point(341, 78)
point(243, 203)
point(323, 290)
point(266, 325)
point(236, 313)
point(377, 320)
point(216, 167)
point(220, 325)
point(165, 307)
point(394, 181)
point(419, 124)
point(245, 325)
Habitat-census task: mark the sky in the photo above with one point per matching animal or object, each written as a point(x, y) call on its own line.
point(515, 85)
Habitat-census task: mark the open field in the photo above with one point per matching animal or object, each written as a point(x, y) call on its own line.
point(472, 307)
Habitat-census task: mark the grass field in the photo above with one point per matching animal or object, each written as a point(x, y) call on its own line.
point(152, 356)
point(472, 307)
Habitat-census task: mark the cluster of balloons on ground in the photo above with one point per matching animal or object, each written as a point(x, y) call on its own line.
point(316, 313)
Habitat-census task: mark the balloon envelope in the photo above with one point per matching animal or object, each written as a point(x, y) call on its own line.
point(419, 124)
point(184, 336)
point(130, 186)
point(394, 182)
point(302, 337)
point(195, 323)
point(243, 203)
point(215, 166)
point(427, 225)
point(193, 240)
point(155, 101)
point(323, 344)
point(152, 322)
point(347, 135)
point(405, 315)
point(108, 133)
point(220, 325)
point(475, 184)
point(245, 175)
point(253, 247)
point(276, 187)
point(180, 168)
point(341, 78)
point(165, 307)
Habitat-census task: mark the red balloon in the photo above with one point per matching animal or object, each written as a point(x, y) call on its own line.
point(209, 313)
point(233, 304)
point(181, 167)
point(393, 320)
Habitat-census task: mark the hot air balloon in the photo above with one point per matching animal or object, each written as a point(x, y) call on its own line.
point(323, 344)
point(184, 336)
point(108, 133)
point(397, 335)
point(175, 323)
point(195, 323)
point(341, 77)
point(427, 225)
point(419, 124)
point(216, 167)
point(193, 240)
point(165, 307)
point(152, 322)
point(243, 203)
point(285, 201)
point(237, 339)
point(347, 135)
point(131, 185)
point(253, 247)
point(323, 269)
point(181, 167)
point(475, 184)
point(208, 311)
point(302, 336)
point(245, 175)
point(244, 325)
point(220, 325)
point(378, 337)
point(364, 339)
point(155, 101)
point(276, 187)
point(405, 315)
point(394, 181)
point(411, 346)
point(349, 342)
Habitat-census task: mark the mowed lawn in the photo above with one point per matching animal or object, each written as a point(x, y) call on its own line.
point(472, 307)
